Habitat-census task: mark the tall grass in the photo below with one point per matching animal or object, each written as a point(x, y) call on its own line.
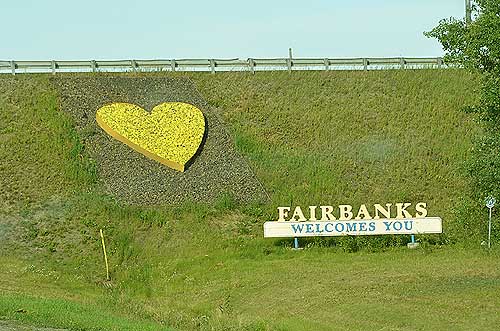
point(353, 137)
point(41, 153)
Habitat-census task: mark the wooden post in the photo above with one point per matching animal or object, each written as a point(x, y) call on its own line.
point(93, 65)
point(365, 64)
point(172, 65)
point(13, 67)
point(134, 65)
point(468, 12)
point(53, 67)
point(251, 64)
point(440, 62)
point(105, 255)
point(289, 61)
point(327, 64)
point(212, 66)
point(402, 63)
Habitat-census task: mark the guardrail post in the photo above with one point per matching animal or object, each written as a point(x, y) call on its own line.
point(212, 66)
point(134, 65)
point(93, 65)
point(172, 65)
point(289, 64)
point(53, 67)
point(251, 64)
point(439, 62)
point(13, 67)
point(327, 64)
point(402, 62)
point(365, 64)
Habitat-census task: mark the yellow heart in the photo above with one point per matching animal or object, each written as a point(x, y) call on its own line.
point(170, 134)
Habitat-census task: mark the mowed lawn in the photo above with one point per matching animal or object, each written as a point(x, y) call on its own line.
point(314, 289)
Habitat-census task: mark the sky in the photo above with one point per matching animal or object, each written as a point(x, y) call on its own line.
point(154, 29)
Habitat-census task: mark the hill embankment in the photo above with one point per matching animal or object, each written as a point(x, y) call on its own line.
point(308, 138)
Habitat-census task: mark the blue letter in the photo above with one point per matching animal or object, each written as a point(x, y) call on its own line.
point(387, 226)
point(297, 228)
point(406, 225)
point(371, 226)
point(318, 230)
point(351, 227)
point(309, 228)
point(326, 227)
point(399, 224)
point(362, 226)
point(337, 227)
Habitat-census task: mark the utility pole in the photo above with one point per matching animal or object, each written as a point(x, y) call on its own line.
point(468, 12)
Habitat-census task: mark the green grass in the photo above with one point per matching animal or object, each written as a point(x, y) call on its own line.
point(312, 137)
point(351, 136)
point(41, 154)
point(356, 137)
point(67, 314)
point(446, 289)
point(35, 294)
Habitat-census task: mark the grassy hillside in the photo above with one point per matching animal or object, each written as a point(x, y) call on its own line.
point(312, 137)
point(353, 137)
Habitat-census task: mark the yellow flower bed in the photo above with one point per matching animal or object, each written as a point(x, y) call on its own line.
point(170, 134)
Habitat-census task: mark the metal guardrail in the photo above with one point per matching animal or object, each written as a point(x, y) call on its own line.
point(213, 65)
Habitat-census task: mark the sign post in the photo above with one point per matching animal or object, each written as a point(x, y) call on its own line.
point(413, 243)
point(490, 203)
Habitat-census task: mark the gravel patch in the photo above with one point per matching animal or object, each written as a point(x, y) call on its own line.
point(135, 179)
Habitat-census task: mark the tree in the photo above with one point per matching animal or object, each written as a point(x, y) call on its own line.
point(475, 46)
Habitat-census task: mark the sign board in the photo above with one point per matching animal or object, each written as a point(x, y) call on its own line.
point(353, 228)
point(344, 220)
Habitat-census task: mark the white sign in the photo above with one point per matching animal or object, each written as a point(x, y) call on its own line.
point(353, 227)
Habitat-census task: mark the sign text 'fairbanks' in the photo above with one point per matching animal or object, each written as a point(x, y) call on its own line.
point(399, 218)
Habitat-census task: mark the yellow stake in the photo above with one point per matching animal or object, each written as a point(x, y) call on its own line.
point(105, 255)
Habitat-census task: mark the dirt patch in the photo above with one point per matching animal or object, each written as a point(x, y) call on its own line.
point(131, 177)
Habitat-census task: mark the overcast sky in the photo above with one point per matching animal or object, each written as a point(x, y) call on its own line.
point(129, 29)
